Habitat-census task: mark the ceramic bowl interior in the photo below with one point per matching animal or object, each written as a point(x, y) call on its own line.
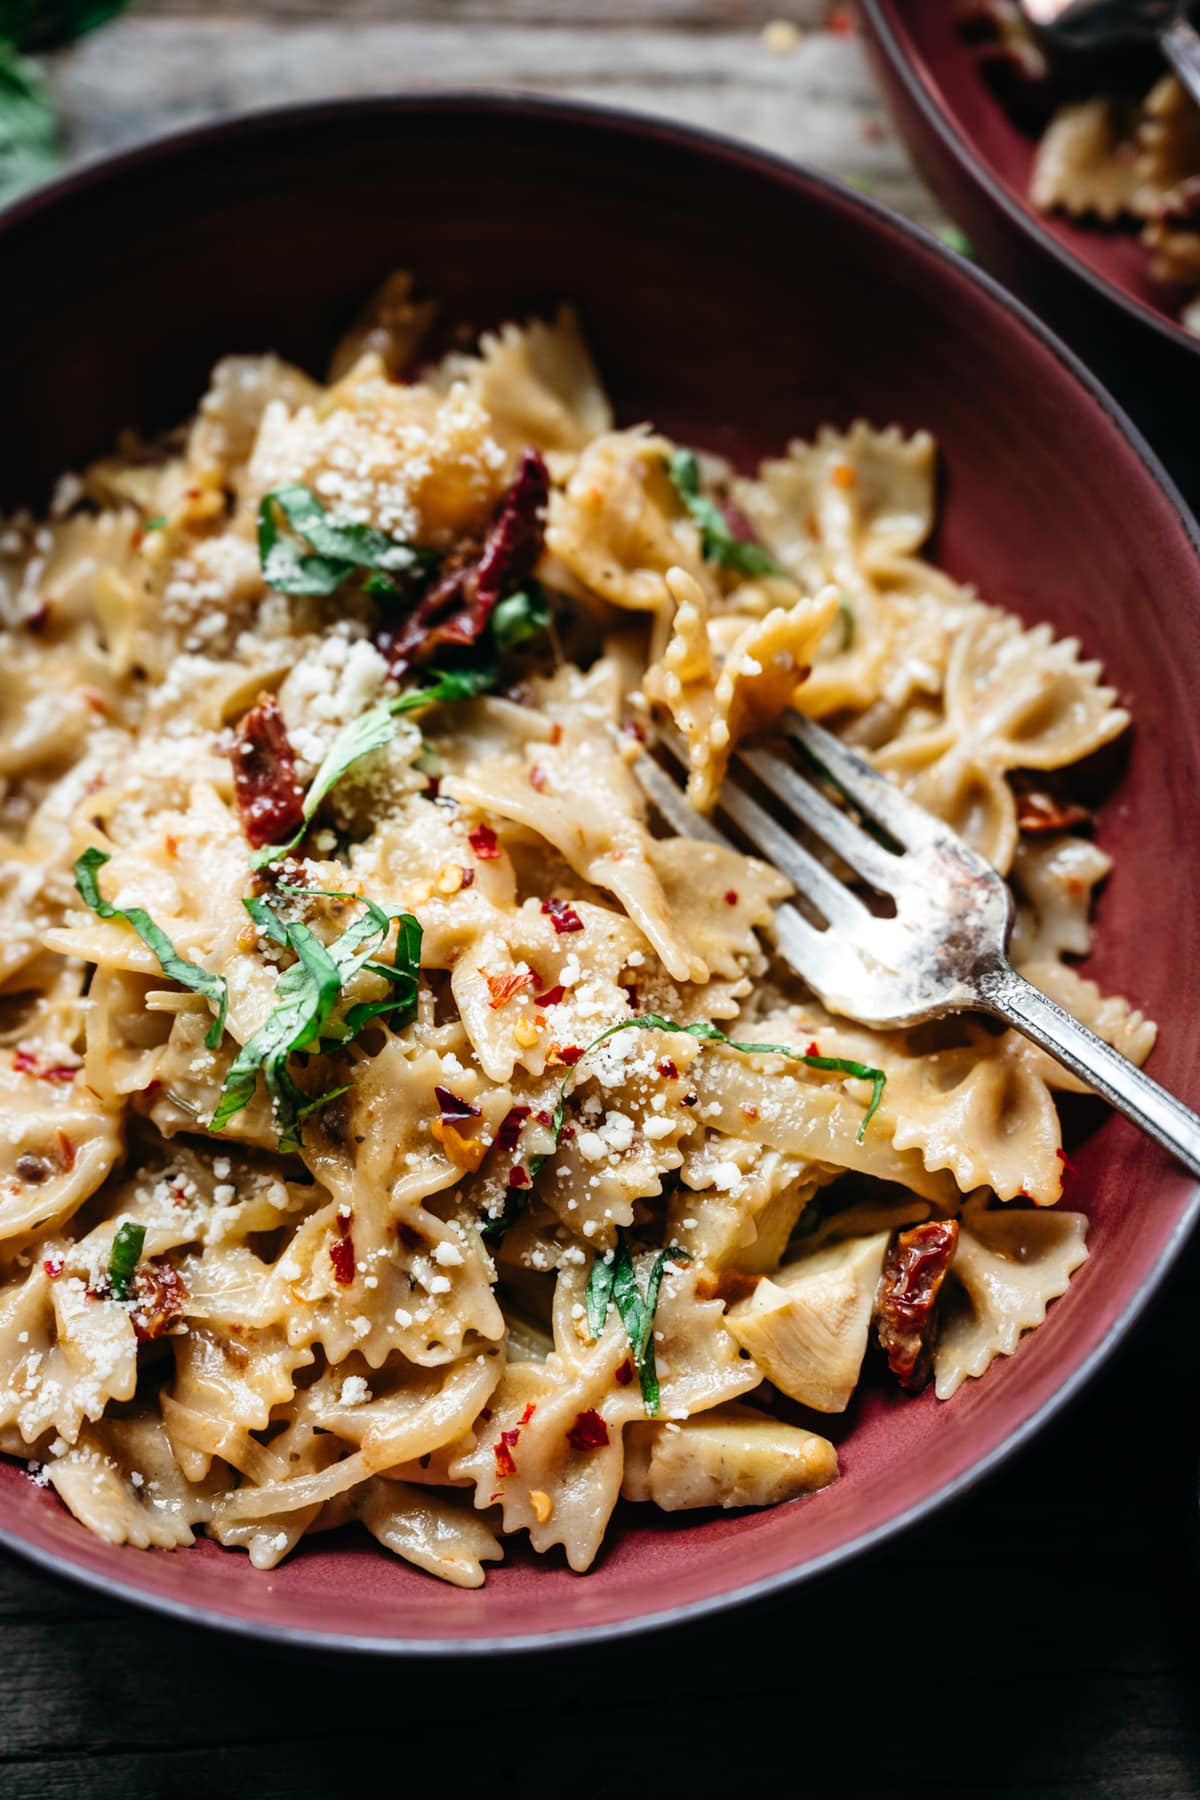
point(737, 302)
point(923, 41)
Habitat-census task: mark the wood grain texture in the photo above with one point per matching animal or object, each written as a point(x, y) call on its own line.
point(154, 72)
point(1046, 1641)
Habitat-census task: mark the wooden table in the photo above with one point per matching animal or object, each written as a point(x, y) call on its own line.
point(1041, 1638)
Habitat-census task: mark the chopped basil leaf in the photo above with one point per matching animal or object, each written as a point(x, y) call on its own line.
point(266, 918)
point(617, 1281)
point(305, 996)
point(28, 130)
point(174, 966)
point(519, 617)
point(373, 730)
point(335, 550)
point(955, 239)
point(599, 1293)
point(157, 523)
point(718, 542)
point(124, 1257)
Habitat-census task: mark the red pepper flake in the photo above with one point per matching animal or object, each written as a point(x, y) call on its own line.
point(569, 1054)
point(589, 1432)
point(530, 1409)
point(551, 997)
point(731, 897)
point(53, 1266)
point(341, 1253)
point(61, 1072)
point(510, 1127)
point(668, 1070)
point(689, 1100)
point(503, 1452)
point(1068, 1166)
point(635, 729)
point(483, 842)
point(625, 1373)
point(544, 1118)
point(160, 1298)
point(66, 1152)
point(814, 1049)
point(518, 1177)
point(452, 1107)
point(539, 781)
point(468, 877)
point(556, 733)
point(24, 1062)
point(503, 987)
point(840, 20)
point(563, 916)
point(269, 798)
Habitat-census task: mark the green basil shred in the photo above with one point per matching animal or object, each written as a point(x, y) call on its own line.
point(718, 542)
point(305, 996)
point(175, 967)
point(124, 1257)
point(334, 551)
point(616, 1281)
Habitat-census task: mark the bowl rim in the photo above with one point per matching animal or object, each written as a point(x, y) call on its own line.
point(924, 91)
point(499, 104)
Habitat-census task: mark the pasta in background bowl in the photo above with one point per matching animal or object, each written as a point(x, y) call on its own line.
point(433, 1132)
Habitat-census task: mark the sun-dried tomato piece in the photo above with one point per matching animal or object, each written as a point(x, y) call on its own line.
point(510, 1128)
point(483, 842)
point(518, 1176)
point(269, 798)
point(341, 1252)
point(458, 605)
point(562, 915)
point(452, 1106)
point(589, 1432)
point(906, 1302)
point(159, 1298)
point(1039, 812)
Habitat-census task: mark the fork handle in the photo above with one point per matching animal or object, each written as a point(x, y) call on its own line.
point(1010, 997)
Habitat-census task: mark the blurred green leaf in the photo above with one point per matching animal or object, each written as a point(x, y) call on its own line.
point(28, 130)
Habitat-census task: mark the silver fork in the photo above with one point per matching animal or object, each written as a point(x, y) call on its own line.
point(943, 950)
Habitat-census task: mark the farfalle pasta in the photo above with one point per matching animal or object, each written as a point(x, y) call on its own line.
point(404, 1127)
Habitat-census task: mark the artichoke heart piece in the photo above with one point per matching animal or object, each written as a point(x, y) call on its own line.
point(730, 1456)
point(807, 1326)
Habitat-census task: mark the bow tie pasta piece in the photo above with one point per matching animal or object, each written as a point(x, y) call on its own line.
point(807, 1326)
point(619, 524)
point(435, 1534)
point(732, 1456)
point(538, 386)
point(726, 679)
point(418, 465)
point(1080, 166)
point(1014, 699)
point(61, 1142)
point(852, 509)
point(120, 1480)
point(1055, 879)
point(63, 1356)
point(1006, 1270)
point(240, 389)
point(587, 804)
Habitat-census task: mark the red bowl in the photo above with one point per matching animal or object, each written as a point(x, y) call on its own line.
point(1091, 285)
point(736, 300)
